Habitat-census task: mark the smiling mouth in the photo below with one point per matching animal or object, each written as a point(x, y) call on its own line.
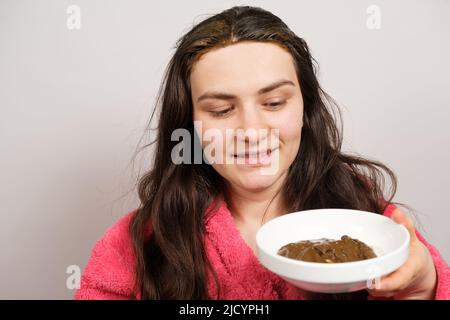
point(259, 157)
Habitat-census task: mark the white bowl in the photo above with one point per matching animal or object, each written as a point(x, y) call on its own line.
point(389, 240)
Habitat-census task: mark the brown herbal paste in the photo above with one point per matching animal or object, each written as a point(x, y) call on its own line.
point(328, 250)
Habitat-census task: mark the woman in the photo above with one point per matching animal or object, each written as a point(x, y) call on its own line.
point(193, 236)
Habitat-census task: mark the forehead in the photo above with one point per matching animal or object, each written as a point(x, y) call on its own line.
point(242, 68)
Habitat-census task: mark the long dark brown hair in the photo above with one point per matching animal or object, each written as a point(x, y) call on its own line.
point(171, 263)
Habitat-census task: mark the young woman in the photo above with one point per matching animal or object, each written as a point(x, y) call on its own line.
point(193, 236)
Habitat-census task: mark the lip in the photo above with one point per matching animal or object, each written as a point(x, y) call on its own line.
point(255, 153)
point(255, 159)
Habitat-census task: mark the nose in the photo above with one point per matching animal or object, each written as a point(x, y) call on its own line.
point(253, 126)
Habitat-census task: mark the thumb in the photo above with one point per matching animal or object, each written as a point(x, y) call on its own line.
point(401, 218)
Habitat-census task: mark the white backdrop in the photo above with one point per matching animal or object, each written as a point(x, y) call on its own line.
point(74, 103)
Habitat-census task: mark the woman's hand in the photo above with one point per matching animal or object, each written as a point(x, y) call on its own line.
point(416, 278)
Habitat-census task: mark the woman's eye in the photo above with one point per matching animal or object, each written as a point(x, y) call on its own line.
point(221, 113)
point(275, 104)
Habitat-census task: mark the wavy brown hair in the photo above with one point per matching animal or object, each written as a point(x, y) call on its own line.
point(171, 263)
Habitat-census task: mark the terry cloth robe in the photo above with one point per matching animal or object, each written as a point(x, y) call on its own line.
point(109, 273)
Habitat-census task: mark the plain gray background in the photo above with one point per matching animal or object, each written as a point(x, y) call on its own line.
point(74, 103)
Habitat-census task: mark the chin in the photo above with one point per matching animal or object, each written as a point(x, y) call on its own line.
point(256, 181)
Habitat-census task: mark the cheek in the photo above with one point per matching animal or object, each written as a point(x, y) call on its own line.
point(213, 137)
point(219, 129)
point(290, 139)
point(205, 128)
point(291, 133)
point(290, 124)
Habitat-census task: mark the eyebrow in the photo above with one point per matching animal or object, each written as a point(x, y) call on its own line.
point(227, 96)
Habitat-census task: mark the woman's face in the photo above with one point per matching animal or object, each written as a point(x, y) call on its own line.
point(247, 100)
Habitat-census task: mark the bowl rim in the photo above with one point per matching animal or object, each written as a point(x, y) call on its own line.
point(339, 265)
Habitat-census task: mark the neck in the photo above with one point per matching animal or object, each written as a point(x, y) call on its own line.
point(256, 206)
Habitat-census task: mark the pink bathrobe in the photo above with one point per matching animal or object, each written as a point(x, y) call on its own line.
point(109, 273)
